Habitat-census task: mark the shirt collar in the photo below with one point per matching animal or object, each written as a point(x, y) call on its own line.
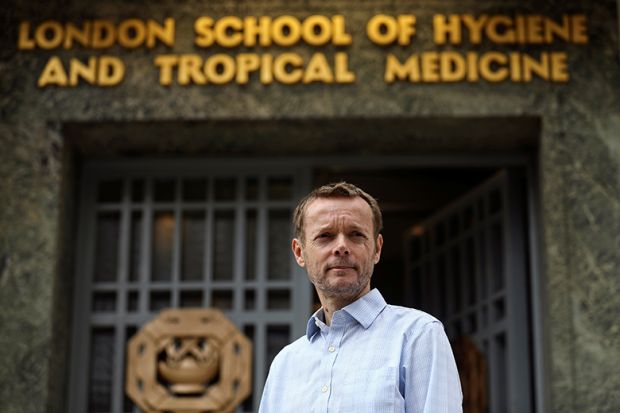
point(365, 310)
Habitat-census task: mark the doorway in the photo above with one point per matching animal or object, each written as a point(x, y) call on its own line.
point(157, 234)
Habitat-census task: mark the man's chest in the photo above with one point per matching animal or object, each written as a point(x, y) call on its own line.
point(346, 373)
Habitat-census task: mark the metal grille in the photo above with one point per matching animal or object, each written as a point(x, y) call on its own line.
point(467, 267)
point(206, 239)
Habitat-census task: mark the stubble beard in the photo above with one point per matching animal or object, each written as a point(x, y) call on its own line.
point(339, 290)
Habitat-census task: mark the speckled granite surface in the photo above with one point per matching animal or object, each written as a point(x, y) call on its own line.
point(579, 162)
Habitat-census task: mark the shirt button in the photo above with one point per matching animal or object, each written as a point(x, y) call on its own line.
point(324, 389)
point(331, 349)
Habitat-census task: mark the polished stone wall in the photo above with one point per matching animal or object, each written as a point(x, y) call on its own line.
point(578, 164)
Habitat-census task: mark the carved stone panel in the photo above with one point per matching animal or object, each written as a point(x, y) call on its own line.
point(189, 361)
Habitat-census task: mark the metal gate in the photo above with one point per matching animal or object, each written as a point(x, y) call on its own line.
point(467, 266)
point(154, 235)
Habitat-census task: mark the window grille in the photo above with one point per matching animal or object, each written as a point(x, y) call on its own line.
point(467, 267)
point(202, 238)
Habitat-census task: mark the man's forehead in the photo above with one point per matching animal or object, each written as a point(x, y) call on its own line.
point(324, 207)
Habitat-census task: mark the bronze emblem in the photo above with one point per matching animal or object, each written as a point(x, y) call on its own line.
point(189, 361)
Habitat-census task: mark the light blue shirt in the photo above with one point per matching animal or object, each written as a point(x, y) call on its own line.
point(374, 357)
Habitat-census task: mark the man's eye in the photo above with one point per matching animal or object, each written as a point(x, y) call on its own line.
point(359, 234)
point(324, 235)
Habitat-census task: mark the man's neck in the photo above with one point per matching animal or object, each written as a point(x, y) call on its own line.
point(332, 304)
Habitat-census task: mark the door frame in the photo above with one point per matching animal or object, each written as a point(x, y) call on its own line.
point(528, 162)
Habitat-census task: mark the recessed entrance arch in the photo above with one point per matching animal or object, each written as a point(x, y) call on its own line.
point(178, 204)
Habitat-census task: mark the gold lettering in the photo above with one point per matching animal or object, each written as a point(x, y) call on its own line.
point(318, 70)
point(534, 29)
point(246, 63)
point(486, 70)
point(228, 31)
point(472, 67)
point(24, 41)
point(394, 70)
point(559, 69)
point(520, 29)
point(515, 67)
point(341, 69)
point(553, 29)
point(532, 66)
point(257, 28)
point(406, 28)
point(220, 69)
point(452, 67)
point(285, 30)
point(166, 64)
point(430, 67)
point(284, 61)
point(131, 33)
point(104, 34)
point(49, 35)
point(446, 28)
point(164, 33)
point(317, 30)
point(340, 36)
point(190, 70)
point(382, 29)
point(500, 36)
point(203, 27)
point(73, 33)
point(111, 71)
point(579, 29)
point(266, 72)
point(53, 74)
point(79, 70)
point(475, 27)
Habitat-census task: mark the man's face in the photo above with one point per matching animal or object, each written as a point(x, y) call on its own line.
point(339, 250)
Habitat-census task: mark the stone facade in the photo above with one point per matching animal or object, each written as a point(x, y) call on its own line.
point(578, 161)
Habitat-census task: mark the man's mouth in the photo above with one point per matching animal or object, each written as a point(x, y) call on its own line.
point(341, 267)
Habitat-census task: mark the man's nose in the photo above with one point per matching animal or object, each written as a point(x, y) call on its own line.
point(342, 248)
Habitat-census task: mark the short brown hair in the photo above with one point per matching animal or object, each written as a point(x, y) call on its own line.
point(336, 190)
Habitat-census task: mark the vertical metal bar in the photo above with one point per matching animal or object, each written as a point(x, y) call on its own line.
point(478, 272)
point(261, 246)
point(209, 247)
point(302, 290)
point(465, 275)
point(261, 281)
point(239, 248)
point(260, 342)
point(492, 354)
point(119, 330)
point(176, 246)
point(146, 250)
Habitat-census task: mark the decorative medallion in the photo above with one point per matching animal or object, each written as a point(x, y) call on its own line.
point(189, 361)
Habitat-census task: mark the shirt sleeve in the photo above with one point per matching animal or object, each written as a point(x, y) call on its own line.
point(431, 380)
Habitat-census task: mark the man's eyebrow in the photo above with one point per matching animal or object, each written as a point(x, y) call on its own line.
point(323, 228)
point(357, 227)
point(326, 227)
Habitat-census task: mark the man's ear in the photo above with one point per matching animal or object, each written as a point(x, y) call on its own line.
point(378, 246)
point(298, 252)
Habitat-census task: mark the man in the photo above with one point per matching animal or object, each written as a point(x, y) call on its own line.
point(359, 354)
